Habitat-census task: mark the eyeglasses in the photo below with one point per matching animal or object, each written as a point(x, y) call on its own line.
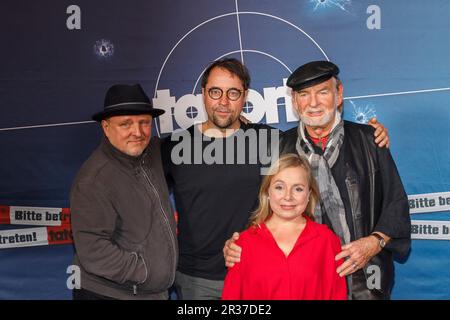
point(216, 93)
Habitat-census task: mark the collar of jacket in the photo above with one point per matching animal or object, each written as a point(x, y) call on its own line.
point(124, 159)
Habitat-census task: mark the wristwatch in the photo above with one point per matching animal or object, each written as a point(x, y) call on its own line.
point(382, 243)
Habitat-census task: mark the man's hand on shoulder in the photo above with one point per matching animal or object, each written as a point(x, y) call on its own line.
point(231, 251)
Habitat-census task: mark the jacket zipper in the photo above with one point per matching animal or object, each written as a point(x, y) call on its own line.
point(166, 221)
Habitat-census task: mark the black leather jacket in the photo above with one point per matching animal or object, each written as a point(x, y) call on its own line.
point(376, 195)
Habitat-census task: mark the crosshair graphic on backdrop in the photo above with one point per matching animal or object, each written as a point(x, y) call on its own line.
point(192, 111)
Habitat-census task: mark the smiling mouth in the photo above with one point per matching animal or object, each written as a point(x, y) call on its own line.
point(315, 113)
point(285, 207)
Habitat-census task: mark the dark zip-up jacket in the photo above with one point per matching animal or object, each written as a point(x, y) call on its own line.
point(372, 192)
point(123, 224)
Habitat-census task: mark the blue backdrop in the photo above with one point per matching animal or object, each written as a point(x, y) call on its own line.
point(59, 57)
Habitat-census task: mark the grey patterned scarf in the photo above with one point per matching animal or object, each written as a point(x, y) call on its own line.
point(321, 164)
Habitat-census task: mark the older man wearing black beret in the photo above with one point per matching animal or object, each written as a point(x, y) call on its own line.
point(122, 220)
point(362, 197)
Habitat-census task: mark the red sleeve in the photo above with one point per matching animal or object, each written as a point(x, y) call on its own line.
point(232, 285)
point(339, 289)
point(233, 281)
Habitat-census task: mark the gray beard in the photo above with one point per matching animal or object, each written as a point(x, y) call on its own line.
point(318, 124)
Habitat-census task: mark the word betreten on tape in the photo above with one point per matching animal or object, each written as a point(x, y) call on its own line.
point(40, 236)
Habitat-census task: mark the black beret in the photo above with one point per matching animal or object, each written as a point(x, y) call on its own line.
point(312, 73)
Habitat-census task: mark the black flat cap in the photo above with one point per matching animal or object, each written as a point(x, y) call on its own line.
point(122, 99)
point(312, 73)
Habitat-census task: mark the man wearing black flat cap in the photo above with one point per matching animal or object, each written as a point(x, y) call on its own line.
point(122, 221)
point(362, 197)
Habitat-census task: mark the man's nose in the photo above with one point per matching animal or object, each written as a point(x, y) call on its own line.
point(137, 130)
point(313, 101)
point(224, 99)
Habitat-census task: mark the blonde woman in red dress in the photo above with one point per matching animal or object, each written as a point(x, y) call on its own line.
point(285, 254)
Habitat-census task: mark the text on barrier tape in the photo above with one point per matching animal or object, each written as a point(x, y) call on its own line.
point(34, 216)
point(40, 236)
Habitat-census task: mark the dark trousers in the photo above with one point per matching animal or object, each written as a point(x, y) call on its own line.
point(83, 294)
point(195, 288)
point(360, 290)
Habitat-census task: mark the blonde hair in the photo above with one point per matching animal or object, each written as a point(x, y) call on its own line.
point(291, 160)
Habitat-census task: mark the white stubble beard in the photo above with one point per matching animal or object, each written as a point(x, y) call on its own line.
point(318, 123)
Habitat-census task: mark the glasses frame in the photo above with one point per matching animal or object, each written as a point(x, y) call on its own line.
point(227, 92)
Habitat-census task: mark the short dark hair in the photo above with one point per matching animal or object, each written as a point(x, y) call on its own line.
point(232, 65)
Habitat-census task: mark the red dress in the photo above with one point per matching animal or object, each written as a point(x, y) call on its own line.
point(265, 273)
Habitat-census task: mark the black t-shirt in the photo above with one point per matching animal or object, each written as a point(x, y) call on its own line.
point(215, 193)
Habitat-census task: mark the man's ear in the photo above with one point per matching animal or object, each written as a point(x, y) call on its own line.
point(294, 102)
point(245, 95)
point(105, 127)
point(340, 89)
